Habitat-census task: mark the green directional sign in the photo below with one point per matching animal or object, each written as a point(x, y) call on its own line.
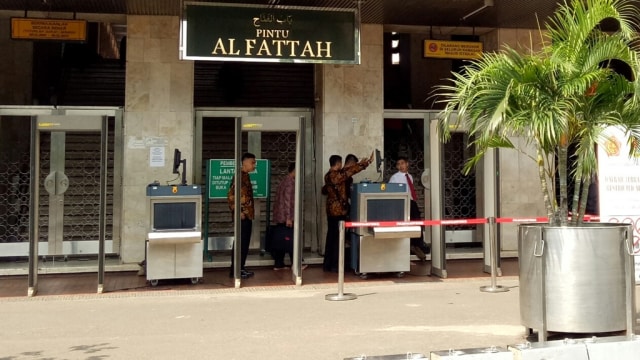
point(220, 173)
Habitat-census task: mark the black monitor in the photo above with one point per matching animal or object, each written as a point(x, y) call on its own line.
point(379, 161)
point(177, 161)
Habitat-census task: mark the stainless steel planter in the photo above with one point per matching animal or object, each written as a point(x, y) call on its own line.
point(576, 279)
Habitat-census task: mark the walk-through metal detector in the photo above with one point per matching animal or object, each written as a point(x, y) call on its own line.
point(429, 195)
point(276, 121)
point(57, 182)
point(487, 204)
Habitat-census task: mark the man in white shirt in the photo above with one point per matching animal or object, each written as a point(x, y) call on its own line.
point(418, 247)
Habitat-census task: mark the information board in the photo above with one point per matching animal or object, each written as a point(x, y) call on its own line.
point(221, 171)
point(48, 29)
point(452, 49)
point(619, 186)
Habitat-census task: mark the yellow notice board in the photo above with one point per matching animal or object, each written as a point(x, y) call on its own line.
point(48, 29)
point(452, 49)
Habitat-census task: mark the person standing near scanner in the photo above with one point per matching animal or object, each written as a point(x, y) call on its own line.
point(246, 212)
point(349, 160)
point(418, 247)
point(337, 205)
point(283, 214)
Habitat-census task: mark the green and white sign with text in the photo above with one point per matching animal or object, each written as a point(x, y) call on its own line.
point(221, 171)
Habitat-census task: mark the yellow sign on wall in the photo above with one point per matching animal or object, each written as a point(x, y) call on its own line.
point(48, 29)
point(452, 49)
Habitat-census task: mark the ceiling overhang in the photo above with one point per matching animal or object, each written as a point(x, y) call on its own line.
point(429, 13)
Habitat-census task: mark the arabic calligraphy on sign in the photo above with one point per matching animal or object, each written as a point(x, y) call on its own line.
point(265, 19)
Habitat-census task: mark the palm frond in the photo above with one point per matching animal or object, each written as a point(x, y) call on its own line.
point(582, 81)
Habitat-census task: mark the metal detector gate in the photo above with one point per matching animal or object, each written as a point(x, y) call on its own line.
point(440, 191)
point(485, 198)
point(264, 121)
point(59, 183)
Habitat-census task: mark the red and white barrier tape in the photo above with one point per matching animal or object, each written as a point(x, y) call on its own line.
point(353, 224)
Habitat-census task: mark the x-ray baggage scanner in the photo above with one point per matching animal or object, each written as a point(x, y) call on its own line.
point(381, 249)
point(174, 241)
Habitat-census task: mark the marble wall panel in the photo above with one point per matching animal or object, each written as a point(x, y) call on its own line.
point(140, 123)
point(138, 27)
point(375, 58)
point(136, 224)
point(158, 113)
point(137, 86)
point(509, 238)
point(159, 86)
point(490, 41)
point(135, 49)
point(332, 131)
point(167, 125)
point(164, 27)
point(349, 105)
point(509, 163)
point(161, 50)
point(522, 39)
point(370, 34)
point(153, 49)
point(181, 78)
point(332, 83)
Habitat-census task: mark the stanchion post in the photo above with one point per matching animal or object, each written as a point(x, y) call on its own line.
point(493, 254)
point(340, 296)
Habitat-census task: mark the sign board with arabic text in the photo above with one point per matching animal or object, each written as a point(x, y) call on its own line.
point(225, 32)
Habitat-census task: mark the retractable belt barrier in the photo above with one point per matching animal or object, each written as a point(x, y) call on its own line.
point(476, 221)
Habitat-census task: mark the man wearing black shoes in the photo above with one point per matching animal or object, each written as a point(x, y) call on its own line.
point(246, 212)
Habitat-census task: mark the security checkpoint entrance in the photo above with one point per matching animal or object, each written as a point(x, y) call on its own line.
point(65, 202)
point(250, 129)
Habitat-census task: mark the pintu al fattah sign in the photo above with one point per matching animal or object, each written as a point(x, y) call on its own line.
point(273, 34)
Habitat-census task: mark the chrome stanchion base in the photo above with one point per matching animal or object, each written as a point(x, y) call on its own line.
point(493, 289)
point(340, 297)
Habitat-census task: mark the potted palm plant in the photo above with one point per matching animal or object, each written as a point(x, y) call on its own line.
point(582, 81)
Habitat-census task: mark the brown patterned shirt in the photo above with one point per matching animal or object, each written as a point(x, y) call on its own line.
point(284, 204)
point(335, 185)
point(246, 196)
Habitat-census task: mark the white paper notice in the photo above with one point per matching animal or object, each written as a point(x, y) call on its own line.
point(619, 186)
point(156, 156)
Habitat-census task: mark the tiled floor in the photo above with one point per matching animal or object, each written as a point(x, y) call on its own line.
point(217, 278)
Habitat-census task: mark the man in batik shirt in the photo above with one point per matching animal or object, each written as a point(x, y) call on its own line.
point(246, 212)
point(335, 187)
point(284, 213)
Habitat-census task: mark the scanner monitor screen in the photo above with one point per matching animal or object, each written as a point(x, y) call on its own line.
point(176, 161)
point(378, 161)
